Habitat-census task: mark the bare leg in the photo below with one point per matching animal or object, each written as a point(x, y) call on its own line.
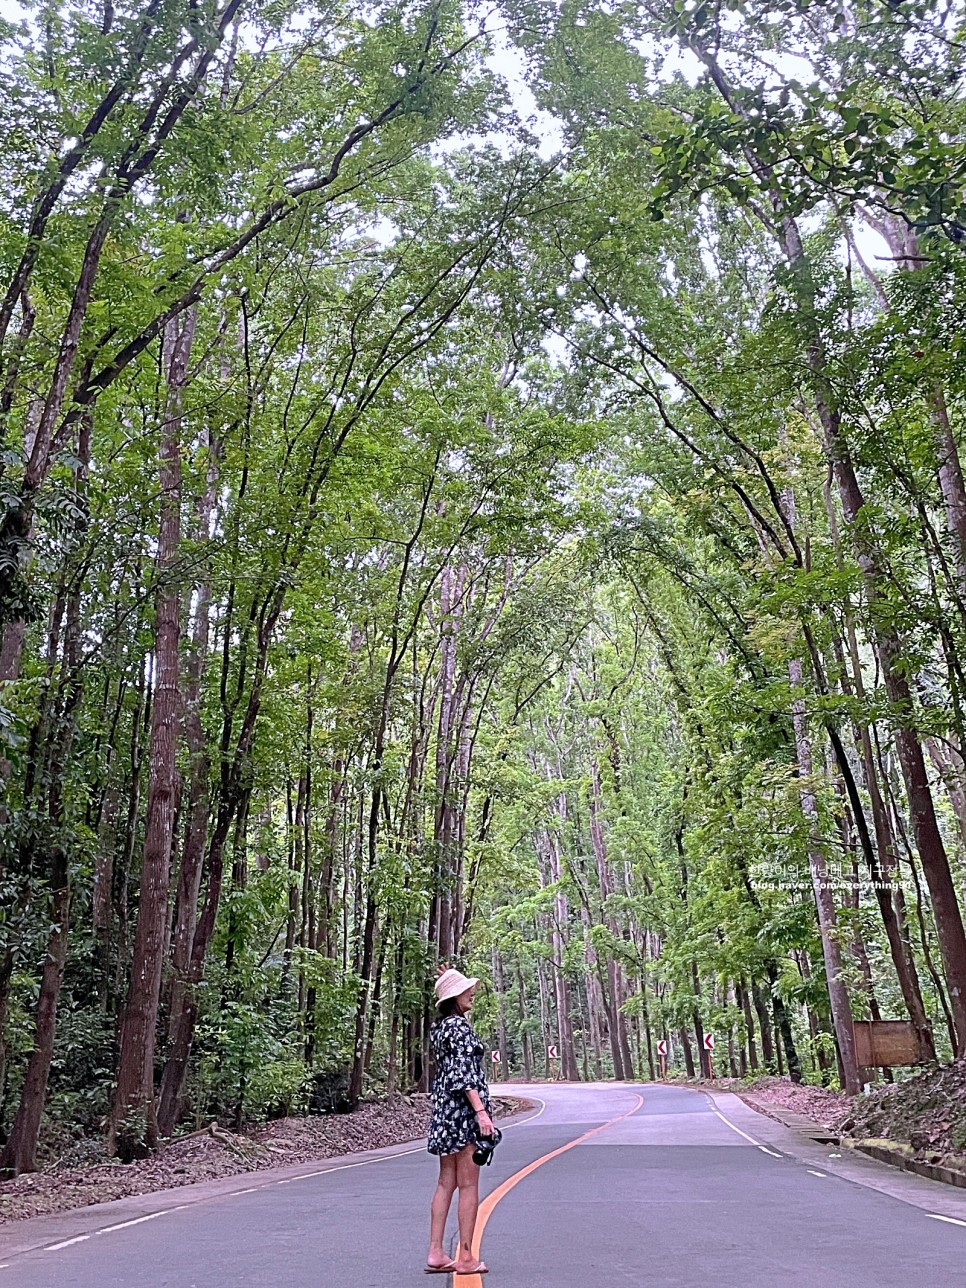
point(468, 1180)
point(439, 1211)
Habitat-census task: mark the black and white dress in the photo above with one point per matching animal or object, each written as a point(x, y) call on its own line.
point(458, 1057)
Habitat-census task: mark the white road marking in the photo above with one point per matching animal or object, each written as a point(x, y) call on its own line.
point(951, 1219)
point(750, 1139)
point(108, 1229)
point(344, 1167)
point(532, 1118)
point(123, 1225)
point(251, 1190)
point(54, 1247)
point(770, 1152)
point(811, 1173)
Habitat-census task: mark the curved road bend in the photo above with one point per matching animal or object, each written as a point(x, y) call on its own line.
point(667, 1187)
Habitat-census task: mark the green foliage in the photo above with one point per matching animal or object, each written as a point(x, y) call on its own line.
point(247, 1067)
point(521, 610)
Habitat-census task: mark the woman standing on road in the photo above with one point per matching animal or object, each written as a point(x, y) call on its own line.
point(460, 1117)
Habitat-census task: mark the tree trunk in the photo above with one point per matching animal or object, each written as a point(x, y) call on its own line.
point(784, 1026)
point(595, 1001)
point(196, 831)
point(824, 902)
point(646, 1021)
point(565, 1033)
point(764, 1022)
point(620, 1048)
point(749, 1024)
point(19, 1154)
point(544, 1018)
point(500, 987)
point(686, 1048)
point(524, 1035)
point(133, 1125)
point(20, 1150)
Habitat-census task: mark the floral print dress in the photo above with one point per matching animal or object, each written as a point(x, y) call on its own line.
point(458, 1056)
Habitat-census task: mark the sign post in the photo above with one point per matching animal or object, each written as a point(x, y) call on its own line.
point(883, 1043)
point(709, 1047)
point(662, 1056)
point(552, 1053)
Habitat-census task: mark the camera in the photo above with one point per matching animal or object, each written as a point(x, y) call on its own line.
point(485, 1147)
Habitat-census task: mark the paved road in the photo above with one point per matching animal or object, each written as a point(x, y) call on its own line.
point(667, 1187)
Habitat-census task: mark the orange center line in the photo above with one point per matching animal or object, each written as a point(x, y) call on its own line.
point(493, 1198)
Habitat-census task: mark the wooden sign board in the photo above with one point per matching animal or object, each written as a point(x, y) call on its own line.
point(879, 1043)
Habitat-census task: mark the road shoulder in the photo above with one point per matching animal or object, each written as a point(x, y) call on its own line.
point(844, 1163)
point(35, 1232)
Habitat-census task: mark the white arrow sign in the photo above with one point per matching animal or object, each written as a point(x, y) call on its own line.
point(662, 1046)
point(496, 1057)
point(709, 1042)
point(552, 1052)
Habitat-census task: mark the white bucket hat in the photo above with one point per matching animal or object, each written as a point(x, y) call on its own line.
point(453, 982)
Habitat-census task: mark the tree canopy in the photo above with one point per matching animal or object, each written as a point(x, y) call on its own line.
point(432, 533)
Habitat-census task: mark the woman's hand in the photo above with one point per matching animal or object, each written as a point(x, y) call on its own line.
point(485, 1123)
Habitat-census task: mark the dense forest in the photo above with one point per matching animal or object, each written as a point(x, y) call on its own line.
point(478, 486)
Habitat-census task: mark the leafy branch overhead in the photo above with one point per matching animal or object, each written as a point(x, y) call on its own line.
point(478, 486)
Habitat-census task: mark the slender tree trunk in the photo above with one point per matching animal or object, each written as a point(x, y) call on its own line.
point(544, 1018)
point(392, 1082)
point(686, 1048)
point(500, 987)
point(293, 832)
point(824, 902)
point(623, 1065)
point(375, 1010)
point(444, 829)
point(764, 1022)
point(523, 1018)
point(749, 1024)
point(783, 1025)
point(196, 831)
point(565, 1033)
point(595, 1000)
point(646, 1021)
point(133, 1125)
point(19, 1153)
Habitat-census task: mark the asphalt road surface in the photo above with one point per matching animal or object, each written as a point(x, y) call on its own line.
point(604, 1184)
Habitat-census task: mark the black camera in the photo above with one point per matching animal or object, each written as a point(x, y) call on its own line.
point(485, 1147)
